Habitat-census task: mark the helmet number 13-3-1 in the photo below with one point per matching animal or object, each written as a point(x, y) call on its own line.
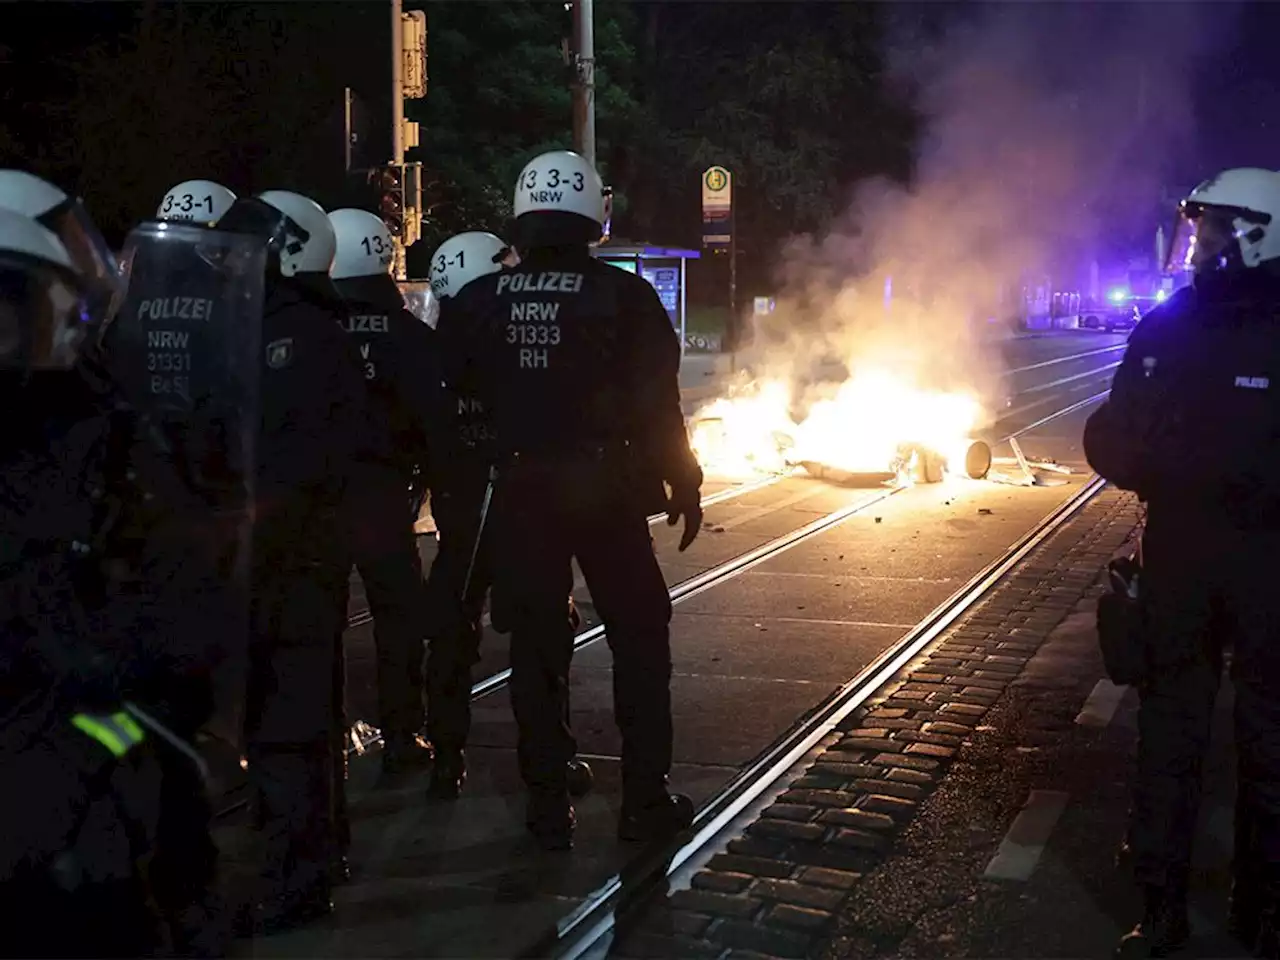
point(374, 245)
point(459, 261)
point(575, 181)
point(186, 203)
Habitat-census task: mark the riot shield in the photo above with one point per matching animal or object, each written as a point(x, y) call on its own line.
point(185, 348)
point(420, 301)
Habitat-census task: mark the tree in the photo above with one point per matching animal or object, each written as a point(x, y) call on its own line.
point(499, 94)
point(789, 96)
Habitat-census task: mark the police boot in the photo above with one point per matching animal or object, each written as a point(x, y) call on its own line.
point(550, 818)
point(1248, 903)
point(405, 754)
point(448, 775)
point(202, 929)
point(1265, 941)
point(1164, 928)
point(1248, 883)
point(580, 778)
point(655, 819)
point(296, 792)
point(294, 907)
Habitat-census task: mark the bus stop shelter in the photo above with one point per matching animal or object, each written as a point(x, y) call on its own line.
point(663, 267)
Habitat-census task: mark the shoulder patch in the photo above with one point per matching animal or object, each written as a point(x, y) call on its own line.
point(280, 353)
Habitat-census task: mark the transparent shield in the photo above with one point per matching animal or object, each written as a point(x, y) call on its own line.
point(1206, 239)
point(186, 348)
point(420, 301)
point(186, 345)
point(91, 256)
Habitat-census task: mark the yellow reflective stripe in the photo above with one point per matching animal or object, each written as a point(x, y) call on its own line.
point(130, 726)
point(119, 732)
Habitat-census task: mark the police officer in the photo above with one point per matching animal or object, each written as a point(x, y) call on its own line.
point(67, 744)
point(461, 572)
point(159, 571)
point(1191, 426)
point(314, 429)
point(578, 365)
point(66, 217)
point(396, 351)
point(90, 580)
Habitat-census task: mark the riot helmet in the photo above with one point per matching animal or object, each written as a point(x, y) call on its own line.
point(314, 253)
point(461, 259)
point(1226, 225)
point(363, 245)
point(284, 237)
point(44, 314)
point(560, 200)
point(67, 218)
point(199, 201)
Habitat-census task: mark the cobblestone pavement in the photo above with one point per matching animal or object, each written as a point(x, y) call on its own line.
point(778, 887)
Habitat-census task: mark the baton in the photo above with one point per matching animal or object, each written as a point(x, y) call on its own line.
point(475, 547)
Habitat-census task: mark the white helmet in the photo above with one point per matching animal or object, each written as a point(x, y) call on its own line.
point(66, 217)
point(1228, 223)
point(315, 253)
point(363, 243)
point(202, 201)
point(565, 182)
point(46, 325)
point(463, 258)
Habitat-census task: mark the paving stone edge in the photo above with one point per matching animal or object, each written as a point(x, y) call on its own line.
point(776, 889)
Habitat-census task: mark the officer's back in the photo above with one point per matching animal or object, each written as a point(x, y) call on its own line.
point(313, 412)
point(567, 327)
point(396, 349)
point(1196, 388)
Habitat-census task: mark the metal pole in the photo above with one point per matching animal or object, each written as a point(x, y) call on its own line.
point(397, 85)
point(733, 283)
point(346, 128)
point(584, 87)
point(397, 121)
point(684, 324)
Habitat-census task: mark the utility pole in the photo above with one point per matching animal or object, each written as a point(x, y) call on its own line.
point(584, 82)
point(399, 269)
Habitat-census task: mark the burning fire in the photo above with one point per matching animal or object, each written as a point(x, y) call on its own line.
point(876, 423)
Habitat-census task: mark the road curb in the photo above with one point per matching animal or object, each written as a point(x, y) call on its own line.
point(778, 887)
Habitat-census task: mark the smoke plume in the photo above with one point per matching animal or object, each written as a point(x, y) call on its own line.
point(1045, 125)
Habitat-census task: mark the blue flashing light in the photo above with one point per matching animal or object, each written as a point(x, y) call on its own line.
point(1161, 295)
point(1118, 295)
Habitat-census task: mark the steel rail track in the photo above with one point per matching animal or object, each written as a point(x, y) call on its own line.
point(719, 574)
point(734, 567)
point(1073, 356)
point(730, 493)
point(587, 930)
point(720, 496)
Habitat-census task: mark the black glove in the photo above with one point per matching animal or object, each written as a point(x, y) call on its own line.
point(685, 502)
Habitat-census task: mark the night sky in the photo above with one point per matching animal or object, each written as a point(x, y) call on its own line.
point(1237, 100)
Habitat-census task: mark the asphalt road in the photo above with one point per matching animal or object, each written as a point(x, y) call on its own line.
point(751, 656)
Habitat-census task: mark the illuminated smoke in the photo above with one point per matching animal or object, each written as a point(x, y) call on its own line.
point(1046, 125)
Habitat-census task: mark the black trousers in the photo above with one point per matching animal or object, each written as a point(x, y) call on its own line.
point(382, 548)
point(1205, 590)
point(293, 704)
point(548, 514)
point(454, 620)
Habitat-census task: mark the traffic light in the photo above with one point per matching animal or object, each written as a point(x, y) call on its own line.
point(389, 181)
